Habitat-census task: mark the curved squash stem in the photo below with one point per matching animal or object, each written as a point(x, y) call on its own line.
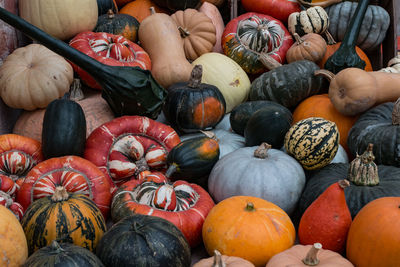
point(326, 73)
point(396, 113)
point(75, 90)
point(311, 257)
point(209, 134)
point(184, 32)
point(171, 169)
point(344, 183)
point(297, 38)
point(268, 62)
point(218, 262)
point(262, 151)
point(195, 76)
point(56, 246)
point(363, 170)
point(329, 37)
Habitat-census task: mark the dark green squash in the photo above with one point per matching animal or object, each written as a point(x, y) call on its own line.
point(127, 90)
point(144, 241)
point(269, 125)
point(287, 85)
point(175, 5)
point(64, 129)
point(105, 5)
point(120, 24)
point(193, 158)
point(68, 254)
point(346, 56)
point(192, 105)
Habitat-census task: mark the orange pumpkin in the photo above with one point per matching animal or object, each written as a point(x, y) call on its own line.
point(321, 106)
point(374, 235)
point(248, 227)
point(140, 9)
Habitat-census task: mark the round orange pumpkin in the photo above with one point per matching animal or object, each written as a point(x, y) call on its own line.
point(248, 227)
point(140, 9)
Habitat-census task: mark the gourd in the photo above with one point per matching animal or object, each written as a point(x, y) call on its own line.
point(278, 9)
point(169, 64)
point(127, 90)
point(213, 13)
point(311, 47)
point(7, 201)
point(353, 91)
point(60, 19)
point(223, 260)
point(140, 9)
point(33, 76)
point(312, 20)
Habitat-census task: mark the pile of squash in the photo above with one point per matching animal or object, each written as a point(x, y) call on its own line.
point(173, 133)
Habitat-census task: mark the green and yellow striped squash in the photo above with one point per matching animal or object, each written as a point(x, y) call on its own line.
point(313, 142)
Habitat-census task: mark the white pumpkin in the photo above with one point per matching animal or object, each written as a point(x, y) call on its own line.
point(224, 73)
point(277, 178)
point(225, 123)
point(341, 156)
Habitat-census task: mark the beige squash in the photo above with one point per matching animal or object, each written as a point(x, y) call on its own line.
point(213, 13)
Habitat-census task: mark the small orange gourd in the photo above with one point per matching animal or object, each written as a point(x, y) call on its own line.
point(310, 46)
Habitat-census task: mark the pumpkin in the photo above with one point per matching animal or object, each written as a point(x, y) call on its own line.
point(60, 19)
point(257, 42)
point(268, 124)
point(373, 28)
point(227, 76)
point(13, 245)
point(341, 156)
point(146, 241)
point(287, 85)
point(224, 124)
point(280, 9)
point(231, 225)
point(213, 13)
point(8, 33)
point(193, 105)
point(73, 217)
point(120, 24)
point(260, 172)
point(68, 254)
point(368, 182)
point(110, 49)
point(105, 5)
point(175, 5)
point(7, 201)
point(327, 220)
point(313, 142)
point(7, 187)
point(223, 260)
point(183, 204)
point(372, 239)
point(309, 255)
point(140, 9)
point(169, 64)
point(33, 76)
point(312, 20)
point(353, 91)
point(378, 126)
point(197, 31)
point(311, 47)
point(321, 106)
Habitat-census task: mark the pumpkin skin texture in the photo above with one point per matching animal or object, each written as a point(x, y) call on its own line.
point(253, 40)
point(242, 172)
point(312, 20)
point(140, 9)
point(287, 85)
point(373, 235)
point(69, 254)
point(61, 19)
point(227, 76)
point(280, 9)
point(223, 260)
point(311, 47)
point(33, 76)
point(213, 13)
point(248, 227)
point(13, 245)
point(73, 217)
point(147, 241)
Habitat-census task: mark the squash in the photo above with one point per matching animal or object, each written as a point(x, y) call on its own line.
point(223, 260)
point(33, 76)
point(60, 19)
point(120, 24)
point(8, 33)
point(193, 105)
point(312, 20)
point(280, 9)
point(372, 239)
point(169, 64)
point(73, 217)
point(13, 245)
point(309, 255)
point(313, 142)
point(68, 254)
point(261, 172)
point(146, 241)
point(213, 13)
point(311, 47)
point(227, 76)
point(353, 91)
point(105, 5)
point(197, 31)
point(287, 85)
point(8, 201)
point(231, 225)
point(140, 9)
point(175, 5)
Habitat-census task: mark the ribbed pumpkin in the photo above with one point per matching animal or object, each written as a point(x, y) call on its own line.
point(313, 142)
point(140, 9)
point(73, 217)
point(310, 46)
point(248, 227)
point(215, 15)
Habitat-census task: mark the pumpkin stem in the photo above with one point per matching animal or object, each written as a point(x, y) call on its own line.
point(329, 37)
point(311, 257)
point(297, 38)
point(195, 76)
point(325, 73)
point(209, 134)
point(250, 206)
point(363, 170)
point(218, 262)
point(344, 183)
point(75, 91)
point(60, 194)
point(262, 151)
point(152, 10)
point(141, 165)
point(55, 246)
point(396, 113)
point(184, 33)
point(268, 62)
point(110, 14)
point(171, 169)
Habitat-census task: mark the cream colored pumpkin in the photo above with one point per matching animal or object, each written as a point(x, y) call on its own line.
point(62, 19)
point(224, 73)
point(33, 76)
